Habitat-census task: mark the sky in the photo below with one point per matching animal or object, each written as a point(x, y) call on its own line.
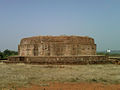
point(99, 19)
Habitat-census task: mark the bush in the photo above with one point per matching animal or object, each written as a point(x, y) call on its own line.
point(6, 53)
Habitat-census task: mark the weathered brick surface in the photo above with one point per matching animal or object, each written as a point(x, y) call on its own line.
point(58, 50)
point(57, 46)
point(95, 59)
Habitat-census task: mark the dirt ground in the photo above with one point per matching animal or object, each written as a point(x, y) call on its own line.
point(59, 77)
point(72, 86)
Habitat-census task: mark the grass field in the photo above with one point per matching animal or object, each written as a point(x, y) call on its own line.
point(23, 75)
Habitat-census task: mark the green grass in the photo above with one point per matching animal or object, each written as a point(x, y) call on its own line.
point(23, 75)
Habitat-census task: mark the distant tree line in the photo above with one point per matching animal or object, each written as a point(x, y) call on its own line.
point(110, 54)
point(6, 53)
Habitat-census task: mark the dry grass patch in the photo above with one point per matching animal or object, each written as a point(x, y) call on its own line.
point(22, 74)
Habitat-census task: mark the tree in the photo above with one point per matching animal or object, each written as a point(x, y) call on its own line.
point(6, 53)
point(1, 55)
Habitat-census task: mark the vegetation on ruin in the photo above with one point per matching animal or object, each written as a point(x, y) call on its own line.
point(6, 53)
point(26, 74)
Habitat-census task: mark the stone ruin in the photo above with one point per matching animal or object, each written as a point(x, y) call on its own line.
point(57, 46)
point(57, 50)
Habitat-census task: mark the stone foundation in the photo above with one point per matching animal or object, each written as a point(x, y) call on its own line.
point(91, 59)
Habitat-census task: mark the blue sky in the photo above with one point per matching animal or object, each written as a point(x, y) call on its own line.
point(99, 19)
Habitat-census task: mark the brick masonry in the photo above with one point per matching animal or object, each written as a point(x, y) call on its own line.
point(57, 46)
point(58, 50)
point(95, 59)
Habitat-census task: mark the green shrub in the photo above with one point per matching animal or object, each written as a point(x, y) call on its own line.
point(6, 53)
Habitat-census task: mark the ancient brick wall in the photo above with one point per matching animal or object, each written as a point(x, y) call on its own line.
point(57, 46)
point(95, 59)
